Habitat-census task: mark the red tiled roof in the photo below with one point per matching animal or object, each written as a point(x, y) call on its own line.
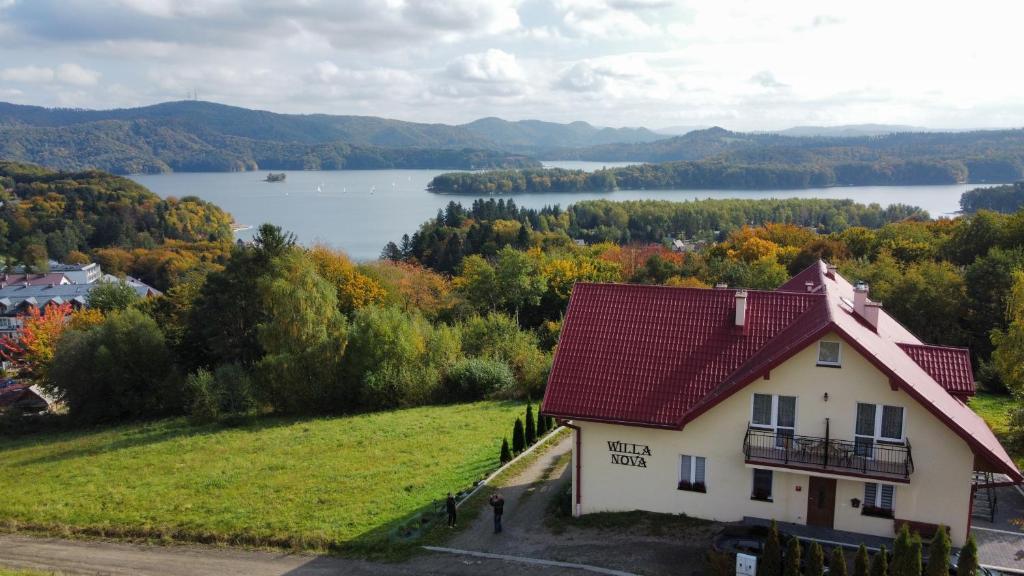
point(660, 357)
point(647, 354)
point(949, 366)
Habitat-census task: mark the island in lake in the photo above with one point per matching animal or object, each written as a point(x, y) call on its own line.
point(271, 177)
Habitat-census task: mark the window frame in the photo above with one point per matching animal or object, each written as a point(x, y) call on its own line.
point(876, 433)
point(771, 485)
point(839, 354)
point(689, 483)
point(773, 424)
point(876, 509)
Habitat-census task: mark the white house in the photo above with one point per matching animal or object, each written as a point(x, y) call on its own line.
point(808, 404)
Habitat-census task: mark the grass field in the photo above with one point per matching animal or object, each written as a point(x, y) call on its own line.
point(338, 484)
point(995, 409)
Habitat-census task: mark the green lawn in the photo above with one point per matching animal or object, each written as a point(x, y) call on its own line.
point(338, 483)
point(995, 410)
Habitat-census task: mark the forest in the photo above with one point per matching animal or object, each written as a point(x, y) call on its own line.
point(78, 216)
point(1007, 199)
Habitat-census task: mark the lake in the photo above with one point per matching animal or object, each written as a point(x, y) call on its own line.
point(362, 210)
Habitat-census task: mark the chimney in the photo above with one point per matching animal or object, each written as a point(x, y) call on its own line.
point(741, 307)
point(865, 308)
point(721, 286)
point(809, 286)
point(830, 271)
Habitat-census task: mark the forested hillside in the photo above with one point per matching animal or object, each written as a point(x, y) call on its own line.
point(78, 216)
point(1009, 198)
point(981, 156)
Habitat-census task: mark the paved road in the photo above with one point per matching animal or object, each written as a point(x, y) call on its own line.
point(115, 559)
point(1001, 543)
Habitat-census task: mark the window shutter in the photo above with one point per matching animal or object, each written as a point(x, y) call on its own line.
point(887, 493)
point(870, 494)
point(685, 469)
point(698, 470)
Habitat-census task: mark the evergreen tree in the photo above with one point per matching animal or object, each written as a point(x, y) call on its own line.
point(860, 562)
point(938, 554)
point(551, 423)
point(901, 552)
point(542, 425)
point(523, 237)
point(837, 563)
point(967, 564)
point(880, 563)
point(531, 426)
point(518, 437)
point(815, 561)
point(914, 560)
point(506, 454)
point(770, 563)
point(791, 565)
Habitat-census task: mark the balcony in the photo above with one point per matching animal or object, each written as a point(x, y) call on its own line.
point(875, 460)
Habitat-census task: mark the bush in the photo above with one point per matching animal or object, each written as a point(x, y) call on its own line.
point(771, 559)
point(542, 425)
point(236, 389)
point(792, 562)
point(837, 563)
point(880, 563)
point(860, 562)
point(531, 426)
point(815, 560)
point(117, 370)
point(203, 403)
point(500, 337)
point(506, 454)
point(967, 564)
point(473, 379)
point(518, 437)
point(938, 554)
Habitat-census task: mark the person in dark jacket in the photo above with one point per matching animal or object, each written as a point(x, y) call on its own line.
point(498, 503)
point(452, 510)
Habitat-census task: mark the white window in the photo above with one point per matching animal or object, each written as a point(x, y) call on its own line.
point(762, 485)
point(877, 423)
point(692, 473)
point(878, 500)
point(829, 353)
point(776, 413)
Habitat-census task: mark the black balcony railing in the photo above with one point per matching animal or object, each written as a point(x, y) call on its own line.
point(859, 458)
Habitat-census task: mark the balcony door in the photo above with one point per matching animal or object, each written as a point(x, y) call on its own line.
point(821, 502)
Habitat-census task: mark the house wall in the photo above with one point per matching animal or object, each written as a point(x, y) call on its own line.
point(939, 491)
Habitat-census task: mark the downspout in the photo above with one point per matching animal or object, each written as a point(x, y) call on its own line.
point(579, 464)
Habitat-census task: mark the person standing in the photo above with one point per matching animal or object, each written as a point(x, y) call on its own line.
point(452, 510)
point(498, 503)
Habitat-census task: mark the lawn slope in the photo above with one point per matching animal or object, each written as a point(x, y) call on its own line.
point(333, 483)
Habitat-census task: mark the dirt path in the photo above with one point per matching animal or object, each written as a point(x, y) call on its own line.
point(525, 506)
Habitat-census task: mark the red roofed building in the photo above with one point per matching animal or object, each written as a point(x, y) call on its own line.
point(807, 404)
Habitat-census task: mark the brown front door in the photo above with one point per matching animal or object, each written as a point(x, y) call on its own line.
point(821, 502)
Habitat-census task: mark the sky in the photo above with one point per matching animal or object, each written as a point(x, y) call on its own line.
point(757, 65)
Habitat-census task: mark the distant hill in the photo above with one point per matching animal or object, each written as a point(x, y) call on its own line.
point(978, 156)
point(529, 135)
point(851, 130)
point(204, 136)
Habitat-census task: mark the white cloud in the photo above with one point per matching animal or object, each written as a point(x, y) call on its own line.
point(76, 75)
point(27, 74)
point(491, 66)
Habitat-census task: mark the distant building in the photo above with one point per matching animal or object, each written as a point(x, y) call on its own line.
point(23, 397)
point(65, 283)
point(687, 245)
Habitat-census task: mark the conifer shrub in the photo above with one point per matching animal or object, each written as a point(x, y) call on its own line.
point(506, 454)
point(518, 437)
point(791, 564)
point(837, 562)
point(815, 560)
point(967, 563)
point(542, 425)
point(880, 563)
point(861, 564)
point(938, 554)
point(770, 563)
point(531, 426)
